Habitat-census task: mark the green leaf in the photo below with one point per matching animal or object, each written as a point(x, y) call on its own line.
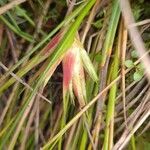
point(45, 39)
point(134, 54)
point(140, 67)
point(61, 49)
point(98, 57)
point(24, 35)
point(146, 145)
point(137, 9)
point(97, 24)
point(19, 12)
point(137, 76)
point(129, 63)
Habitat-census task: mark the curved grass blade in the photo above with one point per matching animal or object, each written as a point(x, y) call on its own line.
point(17, 31)
point(63, 46)
point(66, 21)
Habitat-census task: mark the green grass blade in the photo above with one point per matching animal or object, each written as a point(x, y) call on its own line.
point(108, 138)
point(63, 23)
point(18, 32)
point(115, 14)
point(60, 50)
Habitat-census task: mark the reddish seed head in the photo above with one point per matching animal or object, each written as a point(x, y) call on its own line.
point(68, 68)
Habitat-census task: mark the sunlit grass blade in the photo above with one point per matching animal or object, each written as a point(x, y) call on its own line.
point(113, 23)
point(41, 56)
point(64, 89)
point(45, 39)
point(109, 128)
point(88, 65)
point(61, 49)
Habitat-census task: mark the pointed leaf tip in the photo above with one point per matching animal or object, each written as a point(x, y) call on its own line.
point(88, 65)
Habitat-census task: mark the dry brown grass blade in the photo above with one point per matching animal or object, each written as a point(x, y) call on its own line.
point(19, 126)
point(134, 34)
point(123, 56)
point(134, 88)
point(128, 133)
point(10, 5)
point(131, 120)
point(62, 125)
point(136, 99)
point(140, 23)
point(10, 99)
point(24, 83)
point(79, 114)
point(145, 129)
point(90, 19)
point(27, 129)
